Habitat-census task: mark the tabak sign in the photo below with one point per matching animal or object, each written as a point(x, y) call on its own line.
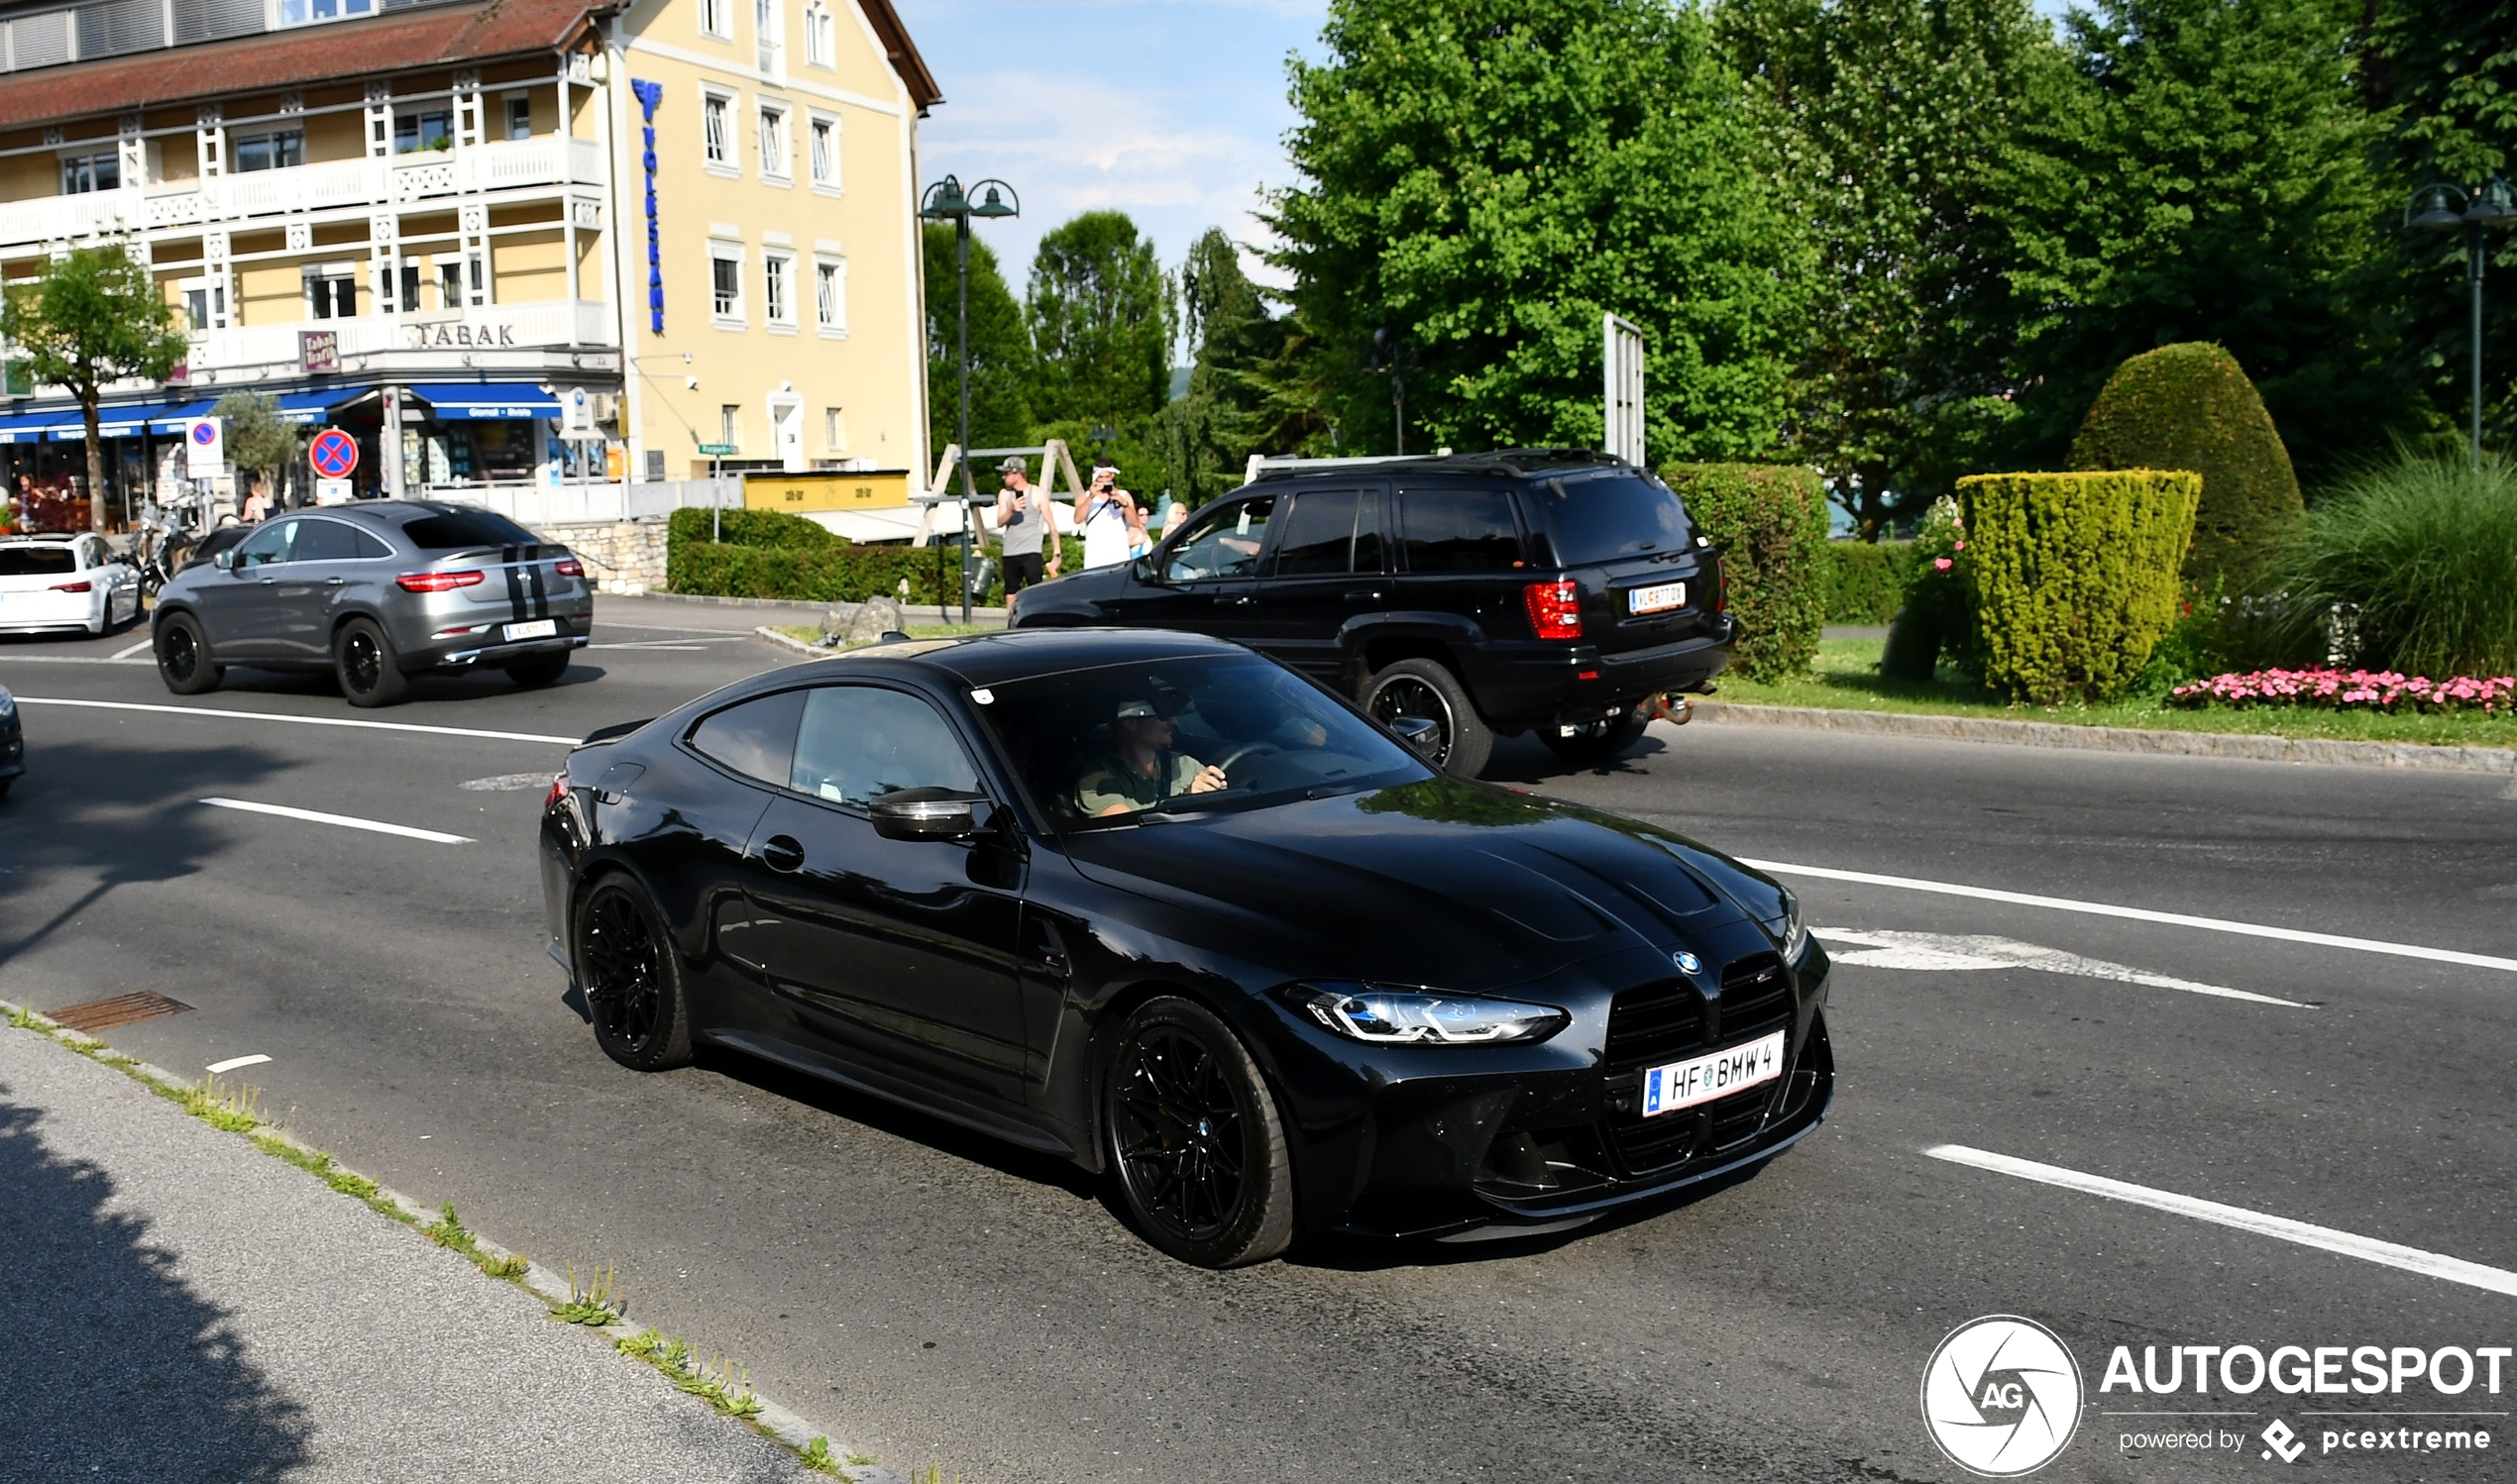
point(319, 350)
point(460, 337)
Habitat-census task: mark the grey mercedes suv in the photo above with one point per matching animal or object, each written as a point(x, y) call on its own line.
point(377, 593)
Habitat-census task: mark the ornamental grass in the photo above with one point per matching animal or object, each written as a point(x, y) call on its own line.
point(2422, 556)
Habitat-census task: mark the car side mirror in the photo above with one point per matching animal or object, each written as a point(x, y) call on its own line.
point(1421, 733)
point(1141, 569)
point(225, 559)
point(926, 814)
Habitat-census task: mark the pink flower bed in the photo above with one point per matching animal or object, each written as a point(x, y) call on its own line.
point(2351, 689)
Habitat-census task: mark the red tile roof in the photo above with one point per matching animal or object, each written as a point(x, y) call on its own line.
point(318, 54)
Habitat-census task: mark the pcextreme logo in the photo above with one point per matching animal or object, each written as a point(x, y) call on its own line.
point(2001, 1396)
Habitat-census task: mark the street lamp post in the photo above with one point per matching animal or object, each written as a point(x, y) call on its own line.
point(1389, 355)
point(2474, 213)
point(946, 202)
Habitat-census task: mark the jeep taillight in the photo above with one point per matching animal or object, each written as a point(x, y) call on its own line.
point(437, 582)
point(1555, 609)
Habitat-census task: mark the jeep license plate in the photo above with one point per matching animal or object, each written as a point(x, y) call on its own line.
point(1656, 598)
point(1701, 1079)
point(539, 628)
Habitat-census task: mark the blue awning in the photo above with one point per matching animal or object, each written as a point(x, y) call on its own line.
point(500, 399)
point(26, 427)
point(173, 419)
point(312, 406)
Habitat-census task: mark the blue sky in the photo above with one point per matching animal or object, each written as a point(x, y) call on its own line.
point(1172, 111)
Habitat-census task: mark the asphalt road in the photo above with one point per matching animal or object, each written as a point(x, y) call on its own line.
point(930, 1295)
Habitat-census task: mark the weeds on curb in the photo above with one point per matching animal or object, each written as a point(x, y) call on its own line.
point(596, 1303)
point(933, 1475)
point(816, 1455)
point(238, 1110)
point(719, 1382)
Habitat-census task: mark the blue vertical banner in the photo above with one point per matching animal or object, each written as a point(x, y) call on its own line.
point(649, 94)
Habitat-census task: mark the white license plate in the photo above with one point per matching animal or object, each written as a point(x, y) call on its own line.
point(539, 628)
point(1656, 599)
point(1684, 1084)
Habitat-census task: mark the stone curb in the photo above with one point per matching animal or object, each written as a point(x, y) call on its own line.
point(552, 1287)
point(789, 641)
point(949, 613)
point(2413, 755)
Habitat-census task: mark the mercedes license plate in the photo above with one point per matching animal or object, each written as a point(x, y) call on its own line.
point(539, 628)
point(1658, 597)
point(1684, 1084)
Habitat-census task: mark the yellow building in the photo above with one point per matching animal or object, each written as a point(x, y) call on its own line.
point(519, 240)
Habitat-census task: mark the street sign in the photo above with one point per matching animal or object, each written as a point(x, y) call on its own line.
point(319, 350)
point(334, 453)
point(716, 450)
point(333, 493)
point(204, 449)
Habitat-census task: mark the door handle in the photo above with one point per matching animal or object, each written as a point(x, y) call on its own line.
point(1360, 595)
point(270, 582)
point(1237, 603)
point(334, 581)
point(782, 853)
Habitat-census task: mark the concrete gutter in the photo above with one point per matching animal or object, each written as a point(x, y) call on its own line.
point(2494, 760)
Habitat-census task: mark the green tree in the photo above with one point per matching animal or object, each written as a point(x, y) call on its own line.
point(2207, 179)
point(1484, 179)
point(1000, 350)
point(90, 319)
point(1210, 433)
point(1887, 112)
point(1101, 321)
point(258, 439)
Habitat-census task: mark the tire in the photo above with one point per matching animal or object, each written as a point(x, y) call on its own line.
point(363, 662)
point(4, 785)
point(541, 669)
point(183, 656)
point(631, 977)
point(1196, 1140)
point(1428, 688)
point(1602, 741)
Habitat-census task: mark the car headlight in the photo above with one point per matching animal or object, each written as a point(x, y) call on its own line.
point(1796, 933)
point(1390, 1017)
point(8, 705)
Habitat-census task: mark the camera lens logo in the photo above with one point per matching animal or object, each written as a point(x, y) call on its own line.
point(2001, 1396)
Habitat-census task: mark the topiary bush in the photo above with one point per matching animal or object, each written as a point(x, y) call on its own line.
point(2073, 576)
point(774, 528)
point(1866, 581)
point(2421, 557)
point(839, 574)
point(2190, 406)
point(1770, 526)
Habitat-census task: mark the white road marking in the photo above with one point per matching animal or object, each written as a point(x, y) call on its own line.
point(2145, 915)
point(234, 1062)
point(1880, 948)
point(141, 648)
point(668, 646)
point(506, 782)
point(2326, 1238)
point(10, 659)
point(345, 822)
point(377, 727)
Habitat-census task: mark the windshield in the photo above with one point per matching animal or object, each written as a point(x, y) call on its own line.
point(1107, 746)
point(1604, 517)
point(469, 528)
point(36, 561)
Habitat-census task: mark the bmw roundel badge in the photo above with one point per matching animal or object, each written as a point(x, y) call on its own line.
point(1687, 962)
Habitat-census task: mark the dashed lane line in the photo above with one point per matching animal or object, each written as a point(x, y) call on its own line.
point(2145, 915)
point(2325, 1238)
point(141, 648)
point(378, 726)
point(235, 1063)
point(345, 821)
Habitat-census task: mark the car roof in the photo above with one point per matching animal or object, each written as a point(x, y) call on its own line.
point(1514, 464)
point(45, 538)
point(1018, 654)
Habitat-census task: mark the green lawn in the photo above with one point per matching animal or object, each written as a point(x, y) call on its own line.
point(1847, 678)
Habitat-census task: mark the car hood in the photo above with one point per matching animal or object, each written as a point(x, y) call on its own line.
point(1456, 885)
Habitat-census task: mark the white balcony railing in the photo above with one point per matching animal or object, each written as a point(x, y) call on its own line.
point(359, 184)
point(487, 335)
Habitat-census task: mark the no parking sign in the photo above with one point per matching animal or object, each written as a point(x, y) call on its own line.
point(334, 453)
point(204, 449)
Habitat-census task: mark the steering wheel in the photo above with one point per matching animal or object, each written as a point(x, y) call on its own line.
point(1238, 753)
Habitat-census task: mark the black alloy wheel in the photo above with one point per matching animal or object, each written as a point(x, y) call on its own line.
point(632, 984)
point(541, 669)
point(1426, 690)
point(363, 661)
point(1195, 1135)
point(183, 656)
point(1602, 740)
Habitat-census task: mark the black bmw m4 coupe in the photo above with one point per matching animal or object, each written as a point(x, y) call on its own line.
point(1157, 904)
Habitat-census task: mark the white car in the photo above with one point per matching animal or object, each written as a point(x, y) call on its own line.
point(64, 583)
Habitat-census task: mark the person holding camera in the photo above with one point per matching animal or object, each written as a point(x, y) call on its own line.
point(1025, 520)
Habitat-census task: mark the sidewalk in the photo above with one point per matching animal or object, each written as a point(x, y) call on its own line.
point(184, 1306)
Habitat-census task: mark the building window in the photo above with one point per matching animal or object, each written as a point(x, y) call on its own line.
point(830, 294)
point(834, 430)
point(820, 36)
point(276, 150)
point(717, 128)
point(408, 285)
point(416, 131)
point(825, 152)
point(308, 12)
point(716, 18)
point(772, 144)
point(519, 116)
point(730, 425)
point(778, 288)
point(769, 30)
point(332, 293)
point(82, 173)
point(725, 268)
point(204, 305)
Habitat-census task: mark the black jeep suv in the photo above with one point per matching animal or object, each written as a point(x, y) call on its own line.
point(1559, 590)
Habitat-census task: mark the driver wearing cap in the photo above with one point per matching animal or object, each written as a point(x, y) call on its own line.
point(1140, 770)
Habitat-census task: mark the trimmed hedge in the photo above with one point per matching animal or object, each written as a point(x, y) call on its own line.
point(839, 573)
point(771, 528)
point(2190, 406)
point(1770, 526)
point(1866, 581)
point(2073, 576)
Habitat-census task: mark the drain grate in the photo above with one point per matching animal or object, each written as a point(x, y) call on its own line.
point(95, 1015)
